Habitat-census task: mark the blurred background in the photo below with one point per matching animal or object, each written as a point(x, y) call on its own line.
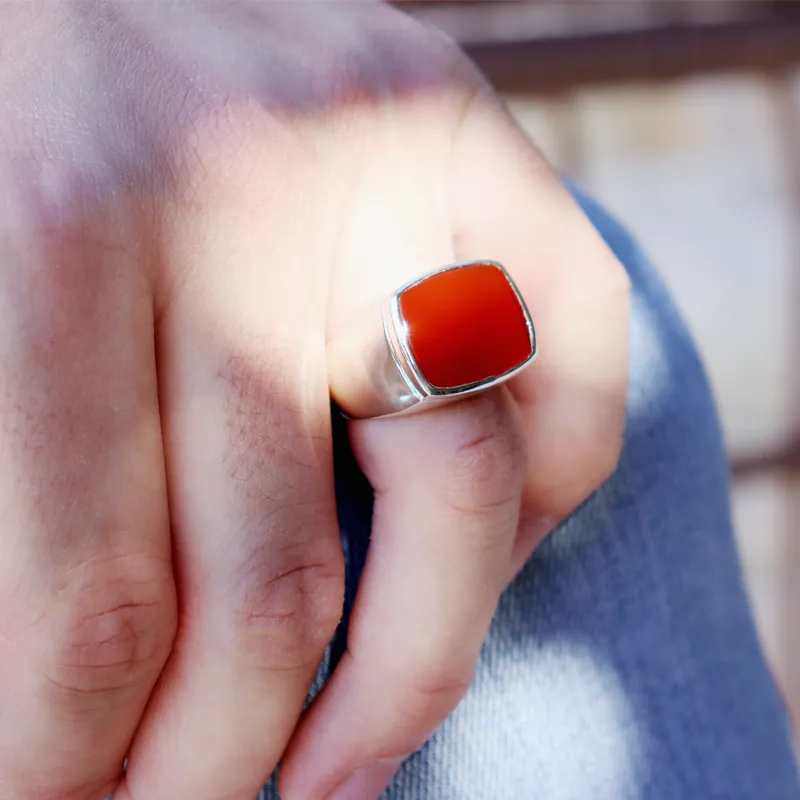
point(683, 117)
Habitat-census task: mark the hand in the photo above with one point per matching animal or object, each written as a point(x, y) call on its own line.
point(195, 198)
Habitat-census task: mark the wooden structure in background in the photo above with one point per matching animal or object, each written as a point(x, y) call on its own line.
point(540, 48)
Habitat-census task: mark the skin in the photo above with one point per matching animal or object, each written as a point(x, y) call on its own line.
point(195, 199)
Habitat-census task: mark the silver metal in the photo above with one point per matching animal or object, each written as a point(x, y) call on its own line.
point(373, 375)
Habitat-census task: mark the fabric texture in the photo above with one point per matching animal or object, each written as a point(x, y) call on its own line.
point(622, 663)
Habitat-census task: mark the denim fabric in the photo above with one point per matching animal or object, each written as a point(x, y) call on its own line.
point(623, 662)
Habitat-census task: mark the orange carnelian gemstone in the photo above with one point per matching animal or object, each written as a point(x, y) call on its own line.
point(465, 325)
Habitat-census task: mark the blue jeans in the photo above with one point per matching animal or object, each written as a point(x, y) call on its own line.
point(622, 662)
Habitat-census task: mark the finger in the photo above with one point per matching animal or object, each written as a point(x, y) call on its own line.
point(247, 429)
point(398, 228)
point(447, 485)
point(573, 285)
point(508, 205)
point(87, 602)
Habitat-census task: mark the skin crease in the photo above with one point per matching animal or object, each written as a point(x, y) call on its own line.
point(195, 198)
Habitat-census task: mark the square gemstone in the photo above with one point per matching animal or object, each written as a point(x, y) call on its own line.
point(466, 325)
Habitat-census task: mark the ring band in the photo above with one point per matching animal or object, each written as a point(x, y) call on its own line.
point(452, 332)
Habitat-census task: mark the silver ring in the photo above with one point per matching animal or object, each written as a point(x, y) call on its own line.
point(448, 334)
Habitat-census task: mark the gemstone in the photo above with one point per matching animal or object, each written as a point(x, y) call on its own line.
point(465, 325)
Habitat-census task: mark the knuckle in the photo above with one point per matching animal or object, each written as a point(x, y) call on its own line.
point(487, 455)
point(286, 618)
point(433, 690)
point(110, 633)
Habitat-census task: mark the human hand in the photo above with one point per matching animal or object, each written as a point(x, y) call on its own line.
point(196, 198)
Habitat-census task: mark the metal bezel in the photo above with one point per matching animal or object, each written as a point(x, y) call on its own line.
point(408, 371)
point(396, 332)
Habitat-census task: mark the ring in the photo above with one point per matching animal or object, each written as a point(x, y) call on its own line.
point(452, 332)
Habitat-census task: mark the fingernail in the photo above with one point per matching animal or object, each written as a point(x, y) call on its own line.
point(367, 783)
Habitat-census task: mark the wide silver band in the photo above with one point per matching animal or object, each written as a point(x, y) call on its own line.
point(371, 368)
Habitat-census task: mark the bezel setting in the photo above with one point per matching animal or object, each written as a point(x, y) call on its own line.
point(396, 332)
